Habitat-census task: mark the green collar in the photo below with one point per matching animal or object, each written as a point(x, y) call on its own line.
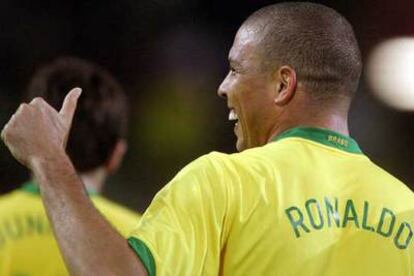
point(31, 187)
point(324, 136)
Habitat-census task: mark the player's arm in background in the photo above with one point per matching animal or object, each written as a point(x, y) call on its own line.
point(36, 136)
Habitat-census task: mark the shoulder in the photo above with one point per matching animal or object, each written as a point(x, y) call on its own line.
point(269, 156)
point(17, 199)
point(115, 212)
point(218, 170)
point(218, 161)
point(210, 166)
point(201, 177)
point(391, 187)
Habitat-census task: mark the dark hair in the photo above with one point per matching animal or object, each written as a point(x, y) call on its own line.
point(316, 41)
point(101, 116)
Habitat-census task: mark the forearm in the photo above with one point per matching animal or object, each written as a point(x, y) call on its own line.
point(89, 244)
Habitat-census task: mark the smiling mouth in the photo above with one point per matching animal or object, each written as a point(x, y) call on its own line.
point(233, 116)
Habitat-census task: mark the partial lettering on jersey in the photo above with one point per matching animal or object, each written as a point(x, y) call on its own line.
point(16, 227)
point(318, 214)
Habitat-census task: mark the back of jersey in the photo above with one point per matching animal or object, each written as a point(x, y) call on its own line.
point(27, 243)
point(27, 246)
point(314, 205)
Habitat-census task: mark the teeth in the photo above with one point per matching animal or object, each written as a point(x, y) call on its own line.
point(233, 115)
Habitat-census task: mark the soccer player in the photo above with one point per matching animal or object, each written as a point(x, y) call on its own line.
point(299, 199)
point(96, 147)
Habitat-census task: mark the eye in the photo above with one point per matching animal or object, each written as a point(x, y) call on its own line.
point(232, 70)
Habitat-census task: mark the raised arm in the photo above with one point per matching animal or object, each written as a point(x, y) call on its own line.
point(36, 135)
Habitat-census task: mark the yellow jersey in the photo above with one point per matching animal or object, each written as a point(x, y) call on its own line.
point(308, 203)
point(27, 243)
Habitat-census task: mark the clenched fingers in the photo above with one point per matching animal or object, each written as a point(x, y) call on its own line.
point(21, 111)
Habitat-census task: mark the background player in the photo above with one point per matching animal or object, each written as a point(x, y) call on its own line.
point(303, 200)
point(96, 147)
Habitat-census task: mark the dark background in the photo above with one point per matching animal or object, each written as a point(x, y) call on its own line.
point(170, 56)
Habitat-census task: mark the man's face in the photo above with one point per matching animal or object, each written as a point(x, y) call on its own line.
point(249, 92)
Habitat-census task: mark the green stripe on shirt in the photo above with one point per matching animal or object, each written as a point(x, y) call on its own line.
point(144, 254)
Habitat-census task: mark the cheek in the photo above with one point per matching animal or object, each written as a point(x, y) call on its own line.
point(254, 95)
point(256, 106)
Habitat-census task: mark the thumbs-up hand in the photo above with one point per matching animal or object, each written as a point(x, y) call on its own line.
point(38, 131)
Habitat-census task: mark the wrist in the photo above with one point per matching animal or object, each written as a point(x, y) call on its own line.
point(39, 162)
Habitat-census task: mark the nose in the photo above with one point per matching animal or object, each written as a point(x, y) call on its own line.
point(222, 90)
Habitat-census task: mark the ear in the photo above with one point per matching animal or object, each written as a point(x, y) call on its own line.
point(116, 157)
point(286, 87)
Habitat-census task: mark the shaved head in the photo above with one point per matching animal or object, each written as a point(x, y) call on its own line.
point(316, 41)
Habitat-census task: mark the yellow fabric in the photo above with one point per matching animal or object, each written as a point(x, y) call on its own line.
point(257, 213)
point(27, 244)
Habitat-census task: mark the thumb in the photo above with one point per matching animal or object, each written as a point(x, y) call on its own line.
point(69, 105)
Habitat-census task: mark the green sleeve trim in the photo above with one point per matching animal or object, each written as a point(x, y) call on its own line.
point(144, 254)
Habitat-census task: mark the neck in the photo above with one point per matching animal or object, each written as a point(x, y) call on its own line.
point(333, 120)
point(94, 180)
